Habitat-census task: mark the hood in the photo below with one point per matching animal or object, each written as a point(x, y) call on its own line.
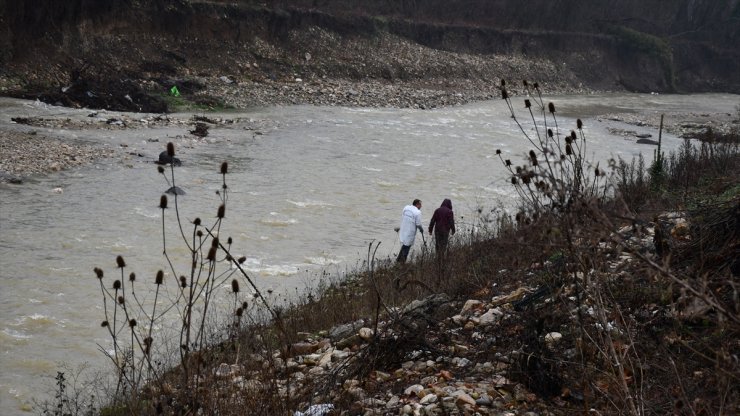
point(447, 203)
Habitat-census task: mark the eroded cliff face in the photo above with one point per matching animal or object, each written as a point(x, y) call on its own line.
point(645, 45)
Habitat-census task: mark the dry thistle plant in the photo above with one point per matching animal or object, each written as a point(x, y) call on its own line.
point(556, 173)
point(190, 296)
point(610, 276)
point(564, 191)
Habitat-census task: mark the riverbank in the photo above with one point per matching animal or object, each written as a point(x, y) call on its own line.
point(28, 145)
point(24, 154)
point(524, 321)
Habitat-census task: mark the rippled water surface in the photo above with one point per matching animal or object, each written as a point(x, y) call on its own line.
point(309, 190)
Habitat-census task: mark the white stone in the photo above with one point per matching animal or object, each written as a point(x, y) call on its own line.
point(553, 337)
point(366, 333)
point(429, 398)
point(490, 317)
point(325, 359)
point(413, 390)
point(462, 397)
point(470, 304)
point(339, 355)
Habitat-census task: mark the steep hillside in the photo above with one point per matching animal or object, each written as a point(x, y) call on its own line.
point(142, 46)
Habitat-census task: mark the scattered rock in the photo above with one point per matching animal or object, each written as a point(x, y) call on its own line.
point(647, 141)
point(165, 159)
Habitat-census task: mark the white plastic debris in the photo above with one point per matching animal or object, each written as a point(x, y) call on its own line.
point(316, 410)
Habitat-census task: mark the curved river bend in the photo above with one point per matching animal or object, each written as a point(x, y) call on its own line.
point(309, 191)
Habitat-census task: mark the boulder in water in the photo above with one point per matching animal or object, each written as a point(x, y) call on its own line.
point(647, 141)
point(165, 159)
point(175, 190)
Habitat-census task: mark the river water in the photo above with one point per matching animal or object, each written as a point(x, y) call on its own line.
point(309, 191)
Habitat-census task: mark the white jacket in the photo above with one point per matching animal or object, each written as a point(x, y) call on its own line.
point(410, 222)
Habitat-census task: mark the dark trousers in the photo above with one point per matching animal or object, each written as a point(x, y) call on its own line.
point(440, 242)
point(403, 254)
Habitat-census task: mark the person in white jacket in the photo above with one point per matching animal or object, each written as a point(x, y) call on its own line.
point(410, 222)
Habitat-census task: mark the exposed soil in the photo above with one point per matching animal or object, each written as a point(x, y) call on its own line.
point(128, 55)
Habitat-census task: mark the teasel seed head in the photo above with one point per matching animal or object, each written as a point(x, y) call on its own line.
point(244, 305)
point(579, 124)
point(568, 139)
point(525, 83)
point(214, 242)
point(513, 180)
point(597, 172)
point(504, 94)
point(104, 324)
point(568, 149)
point(120, 263)
point(199, 233)
point(498, 151)
point(239, 312)
point(229, 258)
point(120, 300)
point(503, 82)
point(527, 103)
point(170, 149)
point(163, 201)
point(551, 107)
point(211, 254)
point(148, 341)
point(132, 323)
point(98, 272)
point(160, 169)
point(562, 156)
point(526, 179)
point(221, 211)
point(183, 282)
point(550, 133)
point(235, 286)
point(536, 86)
point(196, 221)
point(224, 168)
point(573, 135)
point(132, 277)
point(533, 157)
point(507, 162)
point(229, 241)
point(117, 285)
point(518, 169)
point(242, 259)
point(159, 278)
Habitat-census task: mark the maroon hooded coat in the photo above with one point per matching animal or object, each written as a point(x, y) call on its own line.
point(443, 220)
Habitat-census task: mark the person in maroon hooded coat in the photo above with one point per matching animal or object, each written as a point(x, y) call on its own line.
point(443, 224)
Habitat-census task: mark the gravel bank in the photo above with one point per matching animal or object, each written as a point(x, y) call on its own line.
point(24, 154)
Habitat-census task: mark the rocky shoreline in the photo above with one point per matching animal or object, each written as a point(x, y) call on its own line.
point(27, 153)
point(24, 154)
